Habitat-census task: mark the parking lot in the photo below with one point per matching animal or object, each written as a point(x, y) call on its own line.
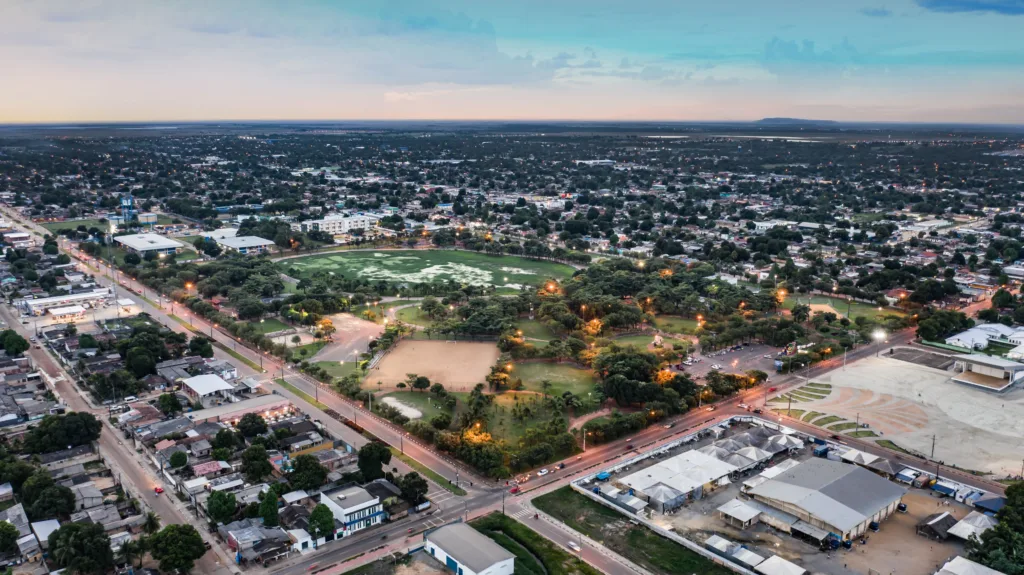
point(746, 358)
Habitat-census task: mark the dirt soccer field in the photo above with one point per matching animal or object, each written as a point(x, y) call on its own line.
point(458, 366)
point(908, 403)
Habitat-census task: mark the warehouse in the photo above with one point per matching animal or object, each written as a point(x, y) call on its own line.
point(670, 483)
point(246, 245)
point(466, 551)
point(143, 244)
point(40, 306)
point(832, 496)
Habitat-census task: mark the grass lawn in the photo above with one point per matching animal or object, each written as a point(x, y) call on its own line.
point(890, 445)
point(827, 420)
point(309, 398)
point(379, 311)
point(644, 341)
point(73, 225)
point(425, 402)
point(843, 426)
point(654, 553)
point(811, 416)
point(338, 369)
point(863, 433)
point(308, 350)
point(794, 413)
point(426, 266)
point(533, 329)
point(563, 377)
point(414, 315)
point(270, 325)
point(535, 555)
point(673, 324)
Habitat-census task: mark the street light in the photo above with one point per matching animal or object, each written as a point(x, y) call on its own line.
point(879, 335)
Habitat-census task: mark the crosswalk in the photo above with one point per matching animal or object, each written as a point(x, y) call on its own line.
point(522, 514)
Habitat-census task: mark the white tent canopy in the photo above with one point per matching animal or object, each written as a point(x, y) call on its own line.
point(974, 524)
point(776, 565)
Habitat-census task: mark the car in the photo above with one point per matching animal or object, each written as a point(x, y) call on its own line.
point(158, 490)
point(772, 389)
point(207, 545)
point(561, 466)
point(669, 425)
point(514, 490)
point(757, 410)
point(574, 546)
point(542, 472)
point(716, 366)
point(743, 406)
point(709, 408)
point(629, 446)
point(33, 339)
point(768, 356)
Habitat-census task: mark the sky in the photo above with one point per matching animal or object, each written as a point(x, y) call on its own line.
point(687, 60)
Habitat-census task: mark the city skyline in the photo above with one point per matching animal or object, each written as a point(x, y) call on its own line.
point(889, 61)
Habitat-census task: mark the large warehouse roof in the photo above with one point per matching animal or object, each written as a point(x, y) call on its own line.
point(146, 242)
point(684, 472)
point(207, 384)
point(468, 546)
point(839, 494)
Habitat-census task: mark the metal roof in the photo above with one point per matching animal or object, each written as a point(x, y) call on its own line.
point(838, 494)
point(990, 361)
point(468, 546)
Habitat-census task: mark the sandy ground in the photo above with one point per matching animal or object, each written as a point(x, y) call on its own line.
point(817, 308)
point(461, 364)
point(351, 338)
point(910, 403)
point(410, 412)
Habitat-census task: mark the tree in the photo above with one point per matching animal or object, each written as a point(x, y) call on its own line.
point(1002, 547)
point(176, 547)
point(372, 457)
point(9, 536)
point(132, 259)
point(252, 425)
point(221, 506)
point(56, 432)
point(307, 473)
point(321, 522)
point(255, 464)
point(421, 383)
point(221, 454)
point(140, 362)
point(169, 404)
point(414, 488)
point(82, 548)
point(441, 421)
point(178, 459)
point(226, 439)
point(151, 524)
point(13, 343)
point(132, 550)
point(1002, 299)
point(800, 312)
point(200, 346)
point(268, 509)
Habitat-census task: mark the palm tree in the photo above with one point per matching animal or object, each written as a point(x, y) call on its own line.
point(130, 551)
point(152, 523)
point(545, 386)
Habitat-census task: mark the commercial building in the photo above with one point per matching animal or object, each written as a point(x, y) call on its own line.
point(67, 313)
point(207, 388)
point(466, 551)
point(960, 566)
point(336, 224)
point(987, 372)
point(40, 306)
point(143, 244)
point(268, 406)
point(354, 508)
point(18, 240)
point(979, 336)
point(246, 245)
point(837, 498)
point(669, 484)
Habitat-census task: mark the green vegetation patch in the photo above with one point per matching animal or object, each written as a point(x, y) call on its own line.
point(377, 313)
point(426, 266)
point(563, 377)
point(811, 416)
point(674, 324)
point(308, 350)
point(794, 413)
point(634, 542)
point(338, 369)
point(428, 472)
point(843, 426)
point(270, 325)
point(890, 445)
point(827, 420)
point(863, 433)
point(414, 315)
point(535, 555)
point(308, 398)
point(533, 329)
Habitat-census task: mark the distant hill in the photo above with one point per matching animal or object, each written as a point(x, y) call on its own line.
point(794, 122)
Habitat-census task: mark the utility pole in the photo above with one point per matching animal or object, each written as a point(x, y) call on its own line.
point(789, 409)
point(858, 420)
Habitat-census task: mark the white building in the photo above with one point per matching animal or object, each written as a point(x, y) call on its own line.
point(979, 336)
point(206, 388)
point(67, 313)
point(354, 508)
point(40, 306)
point(19, 240)
point(466, 551)
point(149, 243)
point(245, 244)
point(336, 224)
point(222, 233)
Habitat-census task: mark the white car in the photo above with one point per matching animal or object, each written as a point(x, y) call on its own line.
point(716, 366)
point(542, 473)
point(574, 546)
point(743, 406)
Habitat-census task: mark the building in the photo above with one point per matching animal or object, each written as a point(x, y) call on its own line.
point(336, 224)
point(466, 551)
point(960, 566)
point(70, 313)
point(668, 484)
point(247, 245)
point(268, 405)
point(986, 372)
point(217, 235)
point(354, 508)
point(40, 306)
point(838, 498)
point(143, 244)
point(19, 240)
point(979, 336)
point(207, 389)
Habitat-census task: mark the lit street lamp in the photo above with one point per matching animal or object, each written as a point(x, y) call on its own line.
point(879, 335)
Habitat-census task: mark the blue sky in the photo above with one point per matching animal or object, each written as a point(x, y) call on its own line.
point(891, 60)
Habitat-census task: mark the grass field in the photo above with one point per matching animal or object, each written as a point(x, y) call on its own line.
point(563, 377)
point(535, 555)
point(414, 315)
point(533, 329)
point(94, 223)
point(863, 433)
point(338, 369)
point(673, 324)
point(379, 310)
point(425, 266)
point(270, 325)
point(501, 425)
point(308, 398)
point(308, 350)
point(654, 553)
point(856, 309)
point(644, 341)
point(890, 445)
point(826, 420)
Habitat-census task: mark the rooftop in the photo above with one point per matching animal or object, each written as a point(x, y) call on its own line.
point(144, 242)
point(239, 242)
point(468, 546)
point(207, 384)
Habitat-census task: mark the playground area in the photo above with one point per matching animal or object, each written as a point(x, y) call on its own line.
point(909, 403)
point(458, 366)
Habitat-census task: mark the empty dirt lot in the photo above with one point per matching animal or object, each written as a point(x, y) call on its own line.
point(458, 366)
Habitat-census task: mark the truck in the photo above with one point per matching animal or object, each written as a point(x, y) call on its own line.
point(821, 451)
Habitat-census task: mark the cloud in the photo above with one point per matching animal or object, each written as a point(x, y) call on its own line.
point(876, 12)
point(783, 57)
point(1007, 7)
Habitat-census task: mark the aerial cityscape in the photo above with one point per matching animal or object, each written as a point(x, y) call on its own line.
point(552, 294)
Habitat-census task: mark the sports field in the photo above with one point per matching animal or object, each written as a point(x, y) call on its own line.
point(459, 366)
point(840, 306)
point(425, 266)
point(95, 223)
